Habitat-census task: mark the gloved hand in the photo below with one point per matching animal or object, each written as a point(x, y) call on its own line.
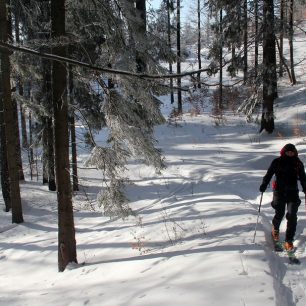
point(262, 187)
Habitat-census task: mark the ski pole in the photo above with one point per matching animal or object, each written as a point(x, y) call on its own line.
point(257, 217)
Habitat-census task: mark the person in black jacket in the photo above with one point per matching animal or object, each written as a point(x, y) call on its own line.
point(288, 169)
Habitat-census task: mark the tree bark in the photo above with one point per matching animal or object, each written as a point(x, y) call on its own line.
point(10, 134)
point(24, 139)
point(74, 161)
point(281, 37)
point(269, 68)
point(220, 61)
point(14, 103)
point(245, 41)
point(256, 38)
point(75, 181)
point(5, 186)
point(45, 151)
point(141, 9)
point(50, 155)
point(199, 44)
point(169, 46)
point(290, 38)
point(178, 54)
point(30, 150)
point(66, 230)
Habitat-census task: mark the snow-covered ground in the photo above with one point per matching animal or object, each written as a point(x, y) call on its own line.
point(191, 242)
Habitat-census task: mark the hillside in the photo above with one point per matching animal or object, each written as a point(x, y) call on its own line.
point(191, 242)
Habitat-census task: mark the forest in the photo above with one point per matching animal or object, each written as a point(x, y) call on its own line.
point(105, 64)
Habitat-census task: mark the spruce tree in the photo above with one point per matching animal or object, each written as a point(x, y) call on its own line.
point(9, 119)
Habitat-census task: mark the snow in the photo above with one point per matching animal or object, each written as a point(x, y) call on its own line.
point(191, 242)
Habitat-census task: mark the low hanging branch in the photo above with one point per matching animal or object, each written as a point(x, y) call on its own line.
point(93, 67)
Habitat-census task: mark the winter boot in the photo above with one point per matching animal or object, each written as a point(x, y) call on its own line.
point(288, 246)
point(275, 234)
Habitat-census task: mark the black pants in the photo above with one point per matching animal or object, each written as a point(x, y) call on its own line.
point(280, 201)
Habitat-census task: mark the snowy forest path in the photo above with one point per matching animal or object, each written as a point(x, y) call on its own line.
point(234, 180)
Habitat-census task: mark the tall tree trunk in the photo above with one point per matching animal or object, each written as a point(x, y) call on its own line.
point(14, 105)
point(75, 181)
point(220, 61)
point(256, 38)
point(199, 43)
point(18, 146)
point(50, 156)
point(290, 38)
point(45, 151)
point(24, 142)
point(169, 46)
point(10, 134)
point(233, 60)
point(30, 150)
point(24, 139)
point(5, 186)
point(269, 67)
point(178, 54)
point(49, 123)
point(281, 38)
point(74, 162)
point(66, 229)
point(141, 8)
point(245, 41)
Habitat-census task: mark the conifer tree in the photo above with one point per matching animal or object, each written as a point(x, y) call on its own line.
point(8, 107)
point(66, 230)
point(4, 177)
point(269, 67)
point(178, 55)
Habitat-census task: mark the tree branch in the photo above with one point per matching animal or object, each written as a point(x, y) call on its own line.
point(6, 46)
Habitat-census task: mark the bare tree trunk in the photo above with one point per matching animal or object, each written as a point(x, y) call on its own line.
point(178, 63)
point(18, 147)
point(74, 162)
point(5, 186)
point(30, 149)
point(24, 141)
point(75, 181)
point(220, 61)
point(45, 151)
point(290, 38)
point(269, 67)
point(50, 156)
point(14, 105)
point(281, 38)
point(256, 38)
point(245, 41)
point(169, 45)
point(233, 60)
point(141, 8)
point(199, 43)
point(66, 230)
point(10, 134)
point(49, 125)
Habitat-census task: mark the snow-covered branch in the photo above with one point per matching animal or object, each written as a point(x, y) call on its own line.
point(96, 68)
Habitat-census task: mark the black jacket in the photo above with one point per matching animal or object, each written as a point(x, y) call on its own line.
point(287, 170)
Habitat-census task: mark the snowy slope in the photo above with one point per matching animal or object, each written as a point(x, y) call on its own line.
point(192, 240)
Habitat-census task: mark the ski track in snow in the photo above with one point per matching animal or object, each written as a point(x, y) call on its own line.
point(288, 280)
